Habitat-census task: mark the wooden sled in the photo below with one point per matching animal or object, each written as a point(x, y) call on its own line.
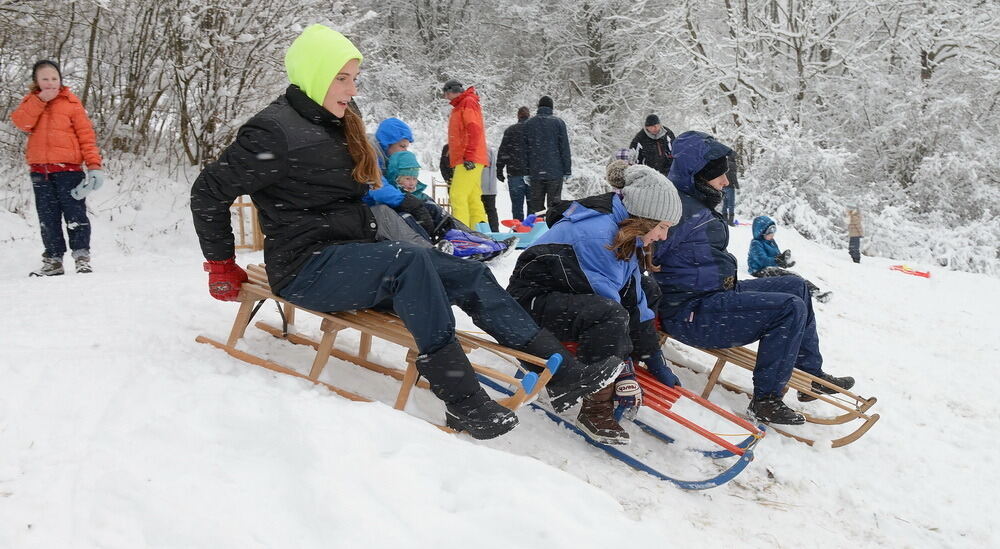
point(371, 324)
point(851, 407)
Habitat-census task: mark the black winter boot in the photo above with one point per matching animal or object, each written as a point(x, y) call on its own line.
point(845, 382)
point(482, 417)
point(51, 266)
point(453, 380)
point(772, 410)
point(597, 418)
point(574, 379)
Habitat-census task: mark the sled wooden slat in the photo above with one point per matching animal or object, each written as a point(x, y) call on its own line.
point(370, 324)
point(852, 406)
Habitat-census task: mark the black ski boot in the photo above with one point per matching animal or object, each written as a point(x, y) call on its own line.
point(574, 379)
point(51, 266)
point(469, 408)
point(772, 410)
point(480, 416)
point(845, 382)
point(597, 418)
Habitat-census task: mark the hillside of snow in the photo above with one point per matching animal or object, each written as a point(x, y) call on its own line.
point(118, 430)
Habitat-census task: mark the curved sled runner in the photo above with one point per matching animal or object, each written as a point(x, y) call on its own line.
point(371, 324)
point(850, 407)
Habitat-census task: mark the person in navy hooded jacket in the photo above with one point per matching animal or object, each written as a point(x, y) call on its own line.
point(766, 259)
point(582, 280)
point(705, 306)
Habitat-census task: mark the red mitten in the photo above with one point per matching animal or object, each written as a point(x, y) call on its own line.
point(224, 279)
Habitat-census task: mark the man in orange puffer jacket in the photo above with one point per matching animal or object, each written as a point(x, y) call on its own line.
point(467, 153)
point(61, 141)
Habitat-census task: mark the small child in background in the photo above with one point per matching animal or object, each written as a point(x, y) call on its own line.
point(449, 235)
point(854, 232)
point(402, 173)
point(766, 259)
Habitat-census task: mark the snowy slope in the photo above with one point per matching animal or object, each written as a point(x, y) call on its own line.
point(118, 430)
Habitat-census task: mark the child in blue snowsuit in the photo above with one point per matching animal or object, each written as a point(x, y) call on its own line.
point(766, 259)
point(704, 305)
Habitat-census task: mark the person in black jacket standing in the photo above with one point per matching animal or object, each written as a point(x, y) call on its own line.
point(654, 144)
point(547, 156)
point(307, 165)
point(729, 192)
point(511, 156)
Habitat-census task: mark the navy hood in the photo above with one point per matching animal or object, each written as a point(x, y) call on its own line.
point(692, 151)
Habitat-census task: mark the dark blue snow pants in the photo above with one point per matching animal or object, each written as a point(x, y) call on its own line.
point(55, 203)
point(419, 284)
point(777, 311)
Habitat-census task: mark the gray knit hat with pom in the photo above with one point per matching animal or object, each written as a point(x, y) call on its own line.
point(647, 193)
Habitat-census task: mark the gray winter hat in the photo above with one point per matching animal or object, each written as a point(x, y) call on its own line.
point(647, 193)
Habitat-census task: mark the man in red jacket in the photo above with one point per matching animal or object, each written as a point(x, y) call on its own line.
point(467, 153)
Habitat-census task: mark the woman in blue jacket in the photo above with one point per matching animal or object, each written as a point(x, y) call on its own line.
point(582, 280)
point(704, 305)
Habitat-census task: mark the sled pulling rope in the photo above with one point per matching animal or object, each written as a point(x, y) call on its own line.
point(849, 406)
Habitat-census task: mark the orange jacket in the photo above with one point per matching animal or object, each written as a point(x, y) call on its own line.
point(466, 131)
point(59, 131)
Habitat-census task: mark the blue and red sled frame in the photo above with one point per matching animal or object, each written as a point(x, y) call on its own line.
point(660, 398)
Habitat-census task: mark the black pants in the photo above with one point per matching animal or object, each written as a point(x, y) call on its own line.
point(420, 284)
point(490, 203)
point(542, 191)
point(854, 248)
point(599, 325)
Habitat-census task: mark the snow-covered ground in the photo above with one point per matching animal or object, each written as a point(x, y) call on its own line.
point(118, 430)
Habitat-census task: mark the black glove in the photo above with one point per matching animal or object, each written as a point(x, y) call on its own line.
point(415, 207)
point(469, 165)
point(500, 176)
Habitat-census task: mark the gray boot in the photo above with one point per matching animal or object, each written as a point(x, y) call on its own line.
point(51, 266)
point(82, 258)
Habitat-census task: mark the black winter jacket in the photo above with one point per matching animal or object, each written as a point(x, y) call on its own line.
point(546, 147)
point(292, 159)
point(510, 155)
point(655, 153)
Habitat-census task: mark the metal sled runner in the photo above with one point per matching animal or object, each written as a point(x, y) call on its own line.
point(849, 406)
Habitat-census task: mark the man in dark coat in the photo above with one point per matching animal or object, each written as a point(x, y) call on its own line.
point(511, 156)
point(546, 150)
point(654, 144)
point(704, 305)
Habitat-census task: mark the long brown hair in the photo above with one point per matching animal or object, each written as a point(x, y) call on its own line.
point(365, 165)
point(624, 245)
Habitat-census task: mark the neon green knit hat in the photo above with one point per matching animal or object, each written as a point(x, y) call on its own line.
point(315, 57)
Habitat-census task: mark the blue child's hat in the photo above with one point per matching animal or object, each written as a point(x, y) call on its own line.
point(402, 163)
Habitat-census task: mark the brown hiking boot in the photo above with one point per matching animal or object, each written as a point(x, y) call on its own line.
point(597, 419)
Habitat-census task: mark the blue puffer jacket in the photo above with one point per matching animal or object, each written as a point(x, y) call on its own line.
point(693, 259)
point(762, 252)
point(572, 257)
point(546, 146)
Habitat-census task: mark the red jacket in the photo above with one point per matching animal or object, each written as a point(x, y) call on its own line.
point(466, 131)
point(60, 132)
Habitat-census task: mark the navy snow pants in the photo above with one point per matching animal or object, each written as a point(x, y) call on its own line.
point(776, 311)
point(419, 284)
point(54, 204)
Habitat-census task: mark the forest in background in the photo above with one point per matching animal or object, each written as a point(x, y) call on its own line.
point(890, 104)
